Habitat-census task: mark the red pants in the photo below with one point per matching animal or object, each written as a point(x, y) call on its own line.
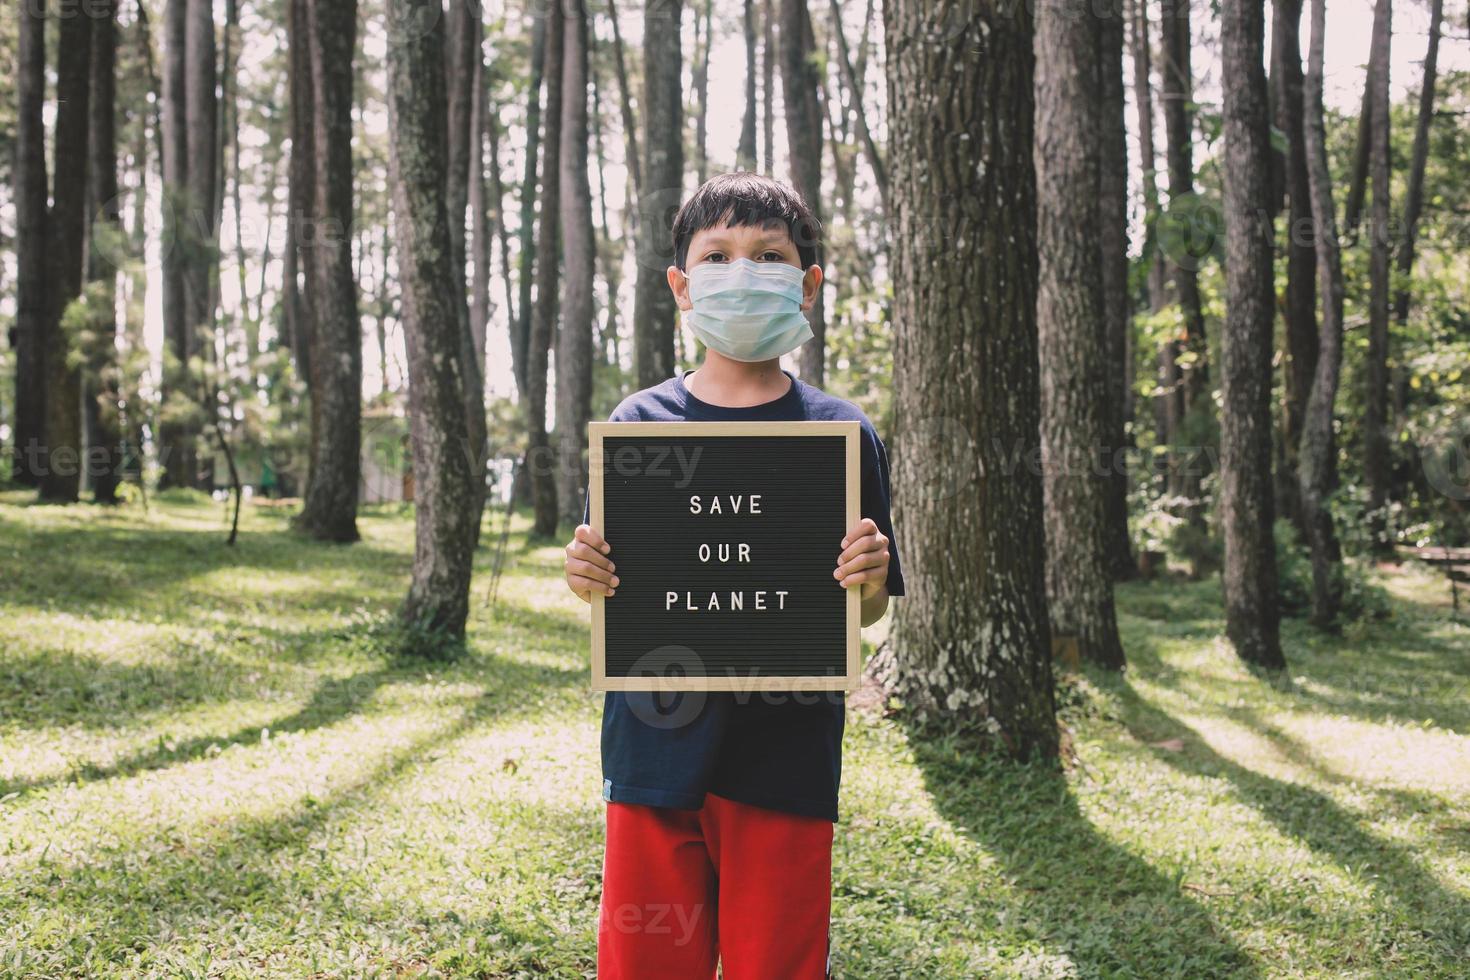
point(747, 885)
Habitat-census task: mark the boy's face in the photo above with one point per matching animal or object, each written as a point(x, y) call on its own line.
point(769, 243)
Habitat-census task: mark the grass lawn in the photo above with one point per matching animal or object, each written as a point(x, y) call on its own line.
point(212, 764)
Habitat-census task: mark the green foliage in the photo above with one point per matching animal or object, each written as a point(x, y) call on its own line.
point(1362, 599)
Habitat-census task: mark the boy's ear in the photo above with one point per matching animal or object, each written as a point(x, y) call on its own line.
point(811, 283)
point(679, 286)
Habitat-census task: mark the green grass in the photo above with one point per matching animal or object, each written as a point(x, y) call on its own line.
point(213, 764)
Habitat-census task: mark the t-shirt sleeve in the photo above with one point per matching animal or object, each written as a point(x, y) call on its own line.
point(877, 501)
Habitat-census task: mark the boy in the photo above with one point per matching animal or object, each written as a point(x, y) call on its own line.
point(720, 806)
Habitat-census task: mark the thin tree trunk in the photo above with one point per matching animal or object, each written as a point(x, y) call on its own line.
point(768, 85)
point(1246, 506)
point(1300, 308)
point(1117, 311)
point(1140, 47)
point(804, 142)
point(498, 228)
point(480, 221)
point(446, 499)
point(855, 86)
point(1190, 357)
point(66, 232)
point(104, 437)
point(663, 176)
point(701, 95)
point(1362, 149)
point(634, 159)
point(539, 454)
point(1074, 325)
point(1414, 196)
point(32, 292)
point(1375, 399)
point(520, 332)
point(971, 637)
point(176, 438)
point(1318, 449)
point(201, 110)
point(574, 341)
point(745, 153)
point(329, 512)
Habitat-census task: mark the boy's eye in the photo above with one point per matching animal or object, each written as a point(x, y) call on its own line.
point(715, 257)
point(772, 256)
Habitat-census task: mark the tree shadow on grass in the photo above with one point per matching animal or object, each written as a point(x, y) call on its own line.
point(1440, 916)
point(242, 872)
point(1082, 894)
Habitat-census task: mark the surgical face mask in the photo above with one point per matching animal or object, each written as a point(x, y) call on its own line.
point(748, 311)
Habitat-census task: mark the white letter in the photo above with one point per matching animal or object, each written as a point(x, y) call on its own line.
point(669, 599)
point(704, 553)
point(781, 603)
point(755, 503)
point(760, 599)
point(744, 552)
point(694, 503)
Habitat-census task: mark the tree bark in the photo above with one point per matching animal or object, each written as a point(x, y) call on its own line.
point(1318, 449)
point(104, 436)
point(66, 231)
point(539, 454)
point(1414, 195)
point(768, 85)
point(1117, 313)
point(799, 83)
point(201, 110)
point(446, 500)
point(634, 159)
point(663, 191)
point(1375, 398)
point(329, 512)
point(176, 435)
point(1188, 360)
point(971, 638)
point(745, 153)
point(574, 342)
point(855, 86)
point(701, 92)
point(1300, 307)
point(1074, 325)
point(480, 220)
point(32, 292)
point(1246, 506)
point(520, 329)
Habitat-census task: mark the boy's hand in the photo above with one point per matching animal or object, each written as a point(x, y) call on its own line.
point(864, 558)
point(588, 568)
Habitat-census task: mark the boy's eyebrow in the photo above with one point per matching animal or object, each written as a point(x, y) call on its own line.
point(719, 235)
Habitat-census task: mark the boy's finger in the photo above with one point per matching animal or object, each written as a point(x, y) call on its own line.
point(586, 552)
point(587, 570)
point(862, 528)
point(586, 533)
point(868, 559)
point(585, 586)
point(874, 575)
point(872, 542)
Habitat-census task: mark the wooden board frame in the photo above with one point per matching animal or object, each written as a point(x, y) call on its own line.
point(851, 431)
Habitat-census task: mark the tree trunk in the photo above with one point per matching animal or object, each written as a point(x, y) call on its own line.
point(201, 111)
point(32, 292)
point(663, 190)
point(1318, 449)
point(1414, 196)
point(701, 93)
point(799, 83)
point(480, 221)
point(768, 85)
point(574, 342)
point(1375, 399)
point(66, 232)
point(1300, 308)
point(1362, 149)
point(461, 48)
point(176, 437)
point(446, 500)
point(634, 160)
point(971, 638)
point(104, 437)
point(1246, 505)
point(855, 85)
point(1190, 357)
point(745, 153)
point(520, 328)
point(1074, 324)
point(329, 512)
point(539, 454)
point(1117, 313)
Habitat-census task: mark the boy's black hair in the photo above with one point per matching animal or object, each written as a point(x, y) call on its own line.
point(742, 199)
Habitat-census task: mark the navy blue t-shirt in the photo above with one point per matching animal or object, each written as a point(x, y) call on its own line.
point(779, 750)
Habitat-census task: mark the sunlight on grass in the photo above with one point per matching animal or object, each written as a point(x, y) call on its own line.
point(212, 763)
